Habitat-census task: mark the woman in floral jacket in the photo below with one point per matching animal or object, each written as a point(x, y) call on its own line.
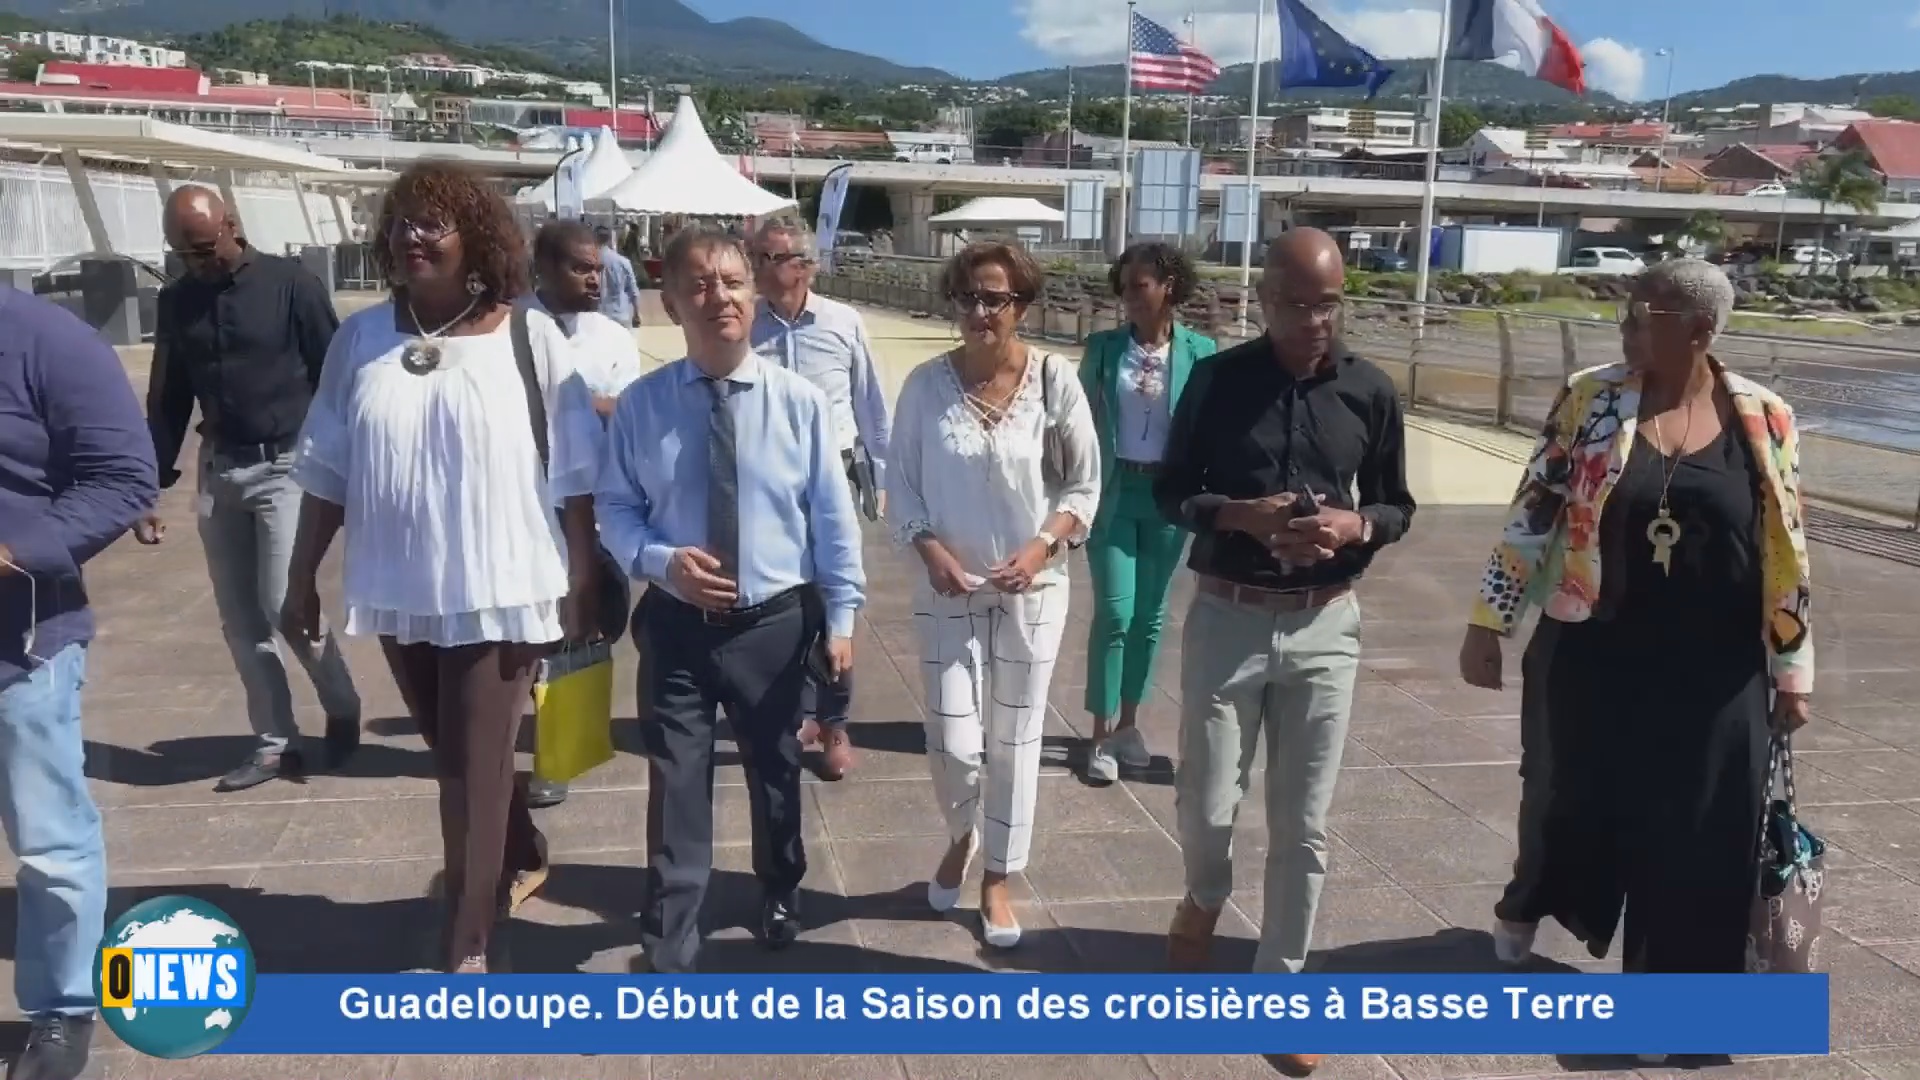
point(1660, 520)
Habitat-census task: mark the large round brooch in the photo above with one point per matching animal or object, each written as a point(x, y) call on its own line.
point(420, 357)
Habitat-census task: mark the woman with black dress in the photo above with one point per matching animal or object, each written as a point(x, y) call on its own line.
point(1662, 507)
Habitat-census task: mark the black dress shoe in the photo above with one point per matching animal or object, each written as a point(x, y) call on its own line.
point(542, 794)
point(56, 1049)
point(261, 768)
point(343, 738)
point(780, 921)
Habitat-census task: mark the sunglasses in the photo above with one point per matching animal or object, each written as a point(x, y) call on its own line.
point(1320, 312)
point(768, 258)
point(991, 303)
point(425, 232)
point(1639, 313)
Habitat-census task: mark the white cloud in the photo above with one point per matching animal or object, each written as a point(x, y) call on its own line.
point(1913, 20)
point(1619, 69)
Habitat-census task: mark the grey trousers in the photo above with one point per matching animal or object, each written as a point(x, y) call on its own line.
point(1519, 903)
point(247, 515)
point(1244, 674)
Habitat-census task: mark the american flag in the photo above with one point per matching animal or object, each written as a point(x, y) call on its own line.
point(1164, 62)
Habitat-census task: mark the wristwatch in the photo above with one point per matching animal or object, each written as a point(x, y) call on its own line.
point(1366, 530)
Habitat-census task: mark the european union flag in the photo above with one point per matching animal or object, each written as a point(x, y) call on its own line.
point(1312, 54)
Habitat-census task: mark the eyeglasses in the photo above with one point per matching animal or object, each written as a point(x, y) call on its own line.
point(990, 303)
point(425, 232)
point(196, 252)
point(783, 258)
point(1323, 311)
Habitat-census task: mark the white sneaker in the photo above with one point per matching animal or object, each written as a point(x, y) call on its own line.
point(1102, 766)
point(1130, 748)
point(1513, 941)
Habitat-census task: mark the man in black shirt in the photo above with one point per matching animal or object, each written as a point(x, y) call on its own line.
point(243, 334)
point(1287, 460)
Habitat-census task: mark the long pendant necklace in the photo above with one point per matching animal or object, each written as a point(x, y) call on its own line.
point(423, 354)
point(1663, 531)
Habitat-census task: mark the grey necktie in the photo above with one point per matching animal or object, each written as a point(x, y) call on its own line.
point(723, 483)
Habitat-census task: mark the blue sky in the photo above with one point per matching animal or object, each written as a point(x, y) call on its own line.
point(1714, 41)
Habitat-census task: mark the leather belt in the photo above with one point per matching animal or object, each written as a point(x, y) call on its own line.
point(1276, 600)
point(253, 453)
point(1144, 468)
point(747, 616)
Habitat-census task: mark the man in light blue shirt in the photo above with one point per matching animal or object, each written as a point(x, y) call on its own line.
point(619, 285)
point(826, 342)
point(702, 454)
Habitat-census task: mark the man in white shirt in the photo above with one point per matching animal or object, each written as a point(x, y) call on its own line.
point(567, 276)
point(825, 342)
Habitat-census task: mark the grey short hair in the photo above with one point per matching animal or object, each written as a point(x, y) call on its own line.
point(1700, 285)
point(698, 240)
point(796, 230)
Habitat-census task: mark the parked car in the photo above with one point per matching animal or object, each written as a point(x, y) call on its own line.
point(1603, 260)
point(1380, 260)
point(1809, 255)
point(1777, 191)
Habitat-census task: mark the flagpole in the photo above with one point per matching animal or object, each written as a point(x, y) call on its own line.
point(1070, 115)
point(1126, 129)
point(1253, 144)
point(1424, 261)
point(1193, 39)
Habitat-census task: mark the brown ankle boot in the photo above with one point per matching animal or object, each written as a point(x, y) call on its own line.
point(1294, 1065)
point(1190, 937)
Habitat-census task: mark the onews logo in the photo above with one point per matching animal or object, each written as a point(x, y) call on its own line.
point(175, 977)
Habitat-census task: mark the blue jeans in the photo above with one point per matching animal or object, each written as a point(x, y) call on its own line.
point(54, 829)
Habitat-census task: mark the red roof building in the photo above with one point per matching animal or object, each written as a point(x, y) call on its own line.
point(125, 77)
point(245, 110)
point(1892, 147)
point(1639, 133)
point(630, 125)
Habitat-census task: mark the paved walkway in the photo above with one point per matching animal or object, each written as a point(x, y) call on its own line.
point(330, 874)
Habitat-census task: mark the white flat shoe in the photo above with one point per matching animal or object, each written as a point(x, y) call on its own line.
point(1513, 941)
point(999, 937)
point(939, 897)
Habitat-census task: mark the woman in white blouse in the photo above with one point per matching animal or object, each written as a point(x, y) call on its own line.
point(465, 553)
point(992, 470)
point(1133, 374)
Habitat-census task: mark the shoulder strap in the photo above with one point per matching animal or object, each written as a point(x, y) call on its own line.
point(530, 379)
point(1046, 385)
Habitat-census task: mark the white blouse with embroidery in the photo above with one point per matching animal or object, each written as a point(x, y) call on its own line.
point(453, 535)
point(982, 490)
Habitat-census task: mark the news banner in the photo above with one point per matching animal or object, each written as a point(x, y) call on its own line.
point(178, 980)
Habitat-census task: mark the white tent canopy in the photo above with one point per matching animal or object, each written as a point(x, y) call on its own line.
point(998, 211)
point(605, 166)
point(686, 175)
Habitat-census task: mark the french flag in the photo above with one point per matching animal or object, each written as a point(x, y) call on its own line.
point(1518, 34)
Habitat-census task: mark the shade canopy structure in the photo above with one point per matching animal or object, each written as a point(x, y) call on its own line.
point(686, 175)
point(605, 167)
point(998, 211)
point(142, 139)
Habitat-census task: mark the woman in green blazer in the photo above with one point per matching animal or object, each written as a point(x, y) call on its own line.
point(1133, 375)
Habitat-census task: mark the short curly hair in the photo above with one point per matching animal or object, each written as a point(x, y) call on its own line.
point(1024, 276)
point(1168, 263)
point(491, 243)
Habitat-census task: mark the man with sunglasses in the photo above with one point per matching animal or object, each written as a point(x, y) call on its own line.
point(243, 334)
point(1287, 459)
point(825, 342)
point(76, 469)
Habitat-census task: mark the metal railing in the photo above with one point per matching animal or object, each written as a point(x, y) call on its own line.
point(1858, 404)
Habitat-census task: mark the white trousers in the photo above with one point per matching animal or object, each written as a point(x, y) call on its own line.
point(987, 659)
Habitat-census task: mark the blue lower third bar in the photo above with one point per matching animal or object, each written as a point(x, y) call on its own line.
point(1039, 1014)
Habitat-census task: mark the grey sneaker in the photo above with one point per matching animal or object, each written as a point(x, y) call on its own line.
point(544, 793)
point(1130, 748)
point(56, 1049)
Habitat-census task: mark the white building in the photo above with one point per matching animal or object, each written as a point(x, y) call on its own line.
point(98, 49)
point(1335, 130)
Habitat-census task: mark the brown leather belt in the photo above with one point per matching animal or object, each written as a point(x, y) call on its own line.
point(1276, 600)
point(1144, 468)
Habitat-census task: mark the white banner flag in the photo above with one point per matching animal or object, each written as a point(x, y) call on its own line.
point(833, 199)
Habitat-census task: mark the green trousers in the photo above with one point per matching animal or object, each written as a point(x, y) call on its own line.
point(1133, 553)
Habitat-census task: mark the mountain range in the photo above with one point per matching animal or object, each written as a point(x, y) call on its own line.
point(668, 40)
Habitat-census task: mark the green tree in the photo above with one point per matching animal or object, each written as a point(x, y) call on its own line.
point(1458, 123)
point(1705, 228)
point(1845, 179)
point(24, 64)
point(1894, 107)
point(1008, 126)
point(1151, 122)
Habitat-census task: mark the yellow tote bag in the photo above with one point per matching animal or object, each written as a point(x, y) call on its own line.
point(573, 712)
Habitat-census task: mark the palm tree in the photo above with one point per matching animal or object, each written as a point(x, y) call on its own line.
point(1845, 178)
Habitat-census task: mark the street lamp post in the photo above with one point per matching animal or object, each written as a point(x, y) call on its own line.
point(1666, 110)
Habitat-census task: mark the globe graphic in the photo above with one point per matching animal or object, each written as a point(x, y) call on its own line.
point(176, 922)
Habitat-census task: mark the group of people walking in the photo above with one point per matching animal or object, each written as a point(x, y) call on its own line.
point(500, 468)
